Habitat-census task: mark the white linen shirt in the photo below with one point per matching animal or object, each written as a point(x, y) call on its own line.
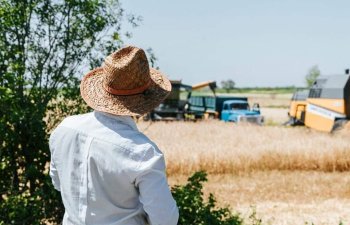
point(109, 173)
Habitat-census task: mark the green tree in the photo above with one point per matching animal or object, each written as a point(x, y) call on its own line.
point(152, 58)
point(44, 45)
point(312, 75)
point(228, 85)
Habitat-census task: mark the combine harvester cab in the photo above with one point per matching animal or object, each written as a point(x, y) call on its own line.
point(239, 111)
point(327, 106)
point(297, 108)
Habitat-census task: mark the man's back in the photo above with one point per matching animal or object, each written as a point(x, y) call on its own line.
point(109, 173)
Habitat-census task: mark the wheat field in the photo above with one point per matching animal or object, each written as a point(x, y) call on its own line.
point(291, 175)
point(221, 148)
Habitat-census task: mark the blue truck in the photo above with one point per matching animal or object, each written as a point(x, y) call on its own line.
point(227, 108)
point(239, 111)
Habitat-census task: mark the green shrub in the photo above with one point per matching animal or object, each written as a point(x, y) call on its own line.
point(194, 210)
point(44, 46)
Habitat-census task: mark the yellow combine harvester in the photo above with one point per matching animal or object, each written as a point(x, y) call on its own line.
point(325, 107)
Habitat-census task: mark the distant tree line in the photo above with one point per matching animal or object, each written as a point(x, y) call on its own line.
point(230, 86)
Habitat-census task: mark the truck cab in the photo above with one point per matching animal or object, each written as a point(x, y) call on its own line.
point(239, 111)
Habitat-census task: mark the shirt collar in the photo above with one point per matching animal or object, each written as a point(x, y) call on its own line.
point(123, 119)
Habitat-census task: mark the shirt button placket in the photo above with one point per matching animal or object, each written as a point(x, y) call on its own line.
point(83, 182)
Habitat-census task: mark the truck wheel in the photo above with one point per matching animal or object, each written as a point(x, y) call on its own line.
point(339, 124)
point(211, 117)
point(180, 116)
point(146, 117)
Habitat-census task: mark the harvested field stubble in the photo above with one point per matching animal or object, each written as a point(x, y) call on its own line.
point(227, 148)
point(284, 197)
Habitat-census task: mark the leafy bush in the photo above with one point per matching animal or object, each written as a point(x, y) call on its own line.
point(193, 209)
point(44, 45)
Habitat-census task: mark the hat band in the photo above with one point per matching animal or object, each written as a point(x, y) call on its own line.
point(134, 91)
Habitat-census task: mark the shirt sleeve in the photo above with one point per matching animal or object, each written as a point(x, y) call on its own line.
point(54, 176)
point(155, 194)
point(53, 170)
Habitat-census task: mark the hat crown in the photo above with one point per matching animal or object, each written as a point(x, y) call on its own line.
point(126, 69)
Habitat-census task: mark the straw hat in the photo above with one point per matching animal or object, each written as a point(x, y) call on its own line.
point(125, 84)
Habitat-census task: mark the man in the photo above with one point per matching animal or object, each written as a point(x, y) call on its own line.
point(106, 170)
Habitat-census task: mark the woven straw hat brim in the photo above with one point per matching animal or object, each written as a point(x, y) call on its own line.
point(97, 98)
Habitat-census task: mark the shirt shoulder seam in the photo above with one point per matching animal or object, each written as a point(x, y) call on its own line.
point(97, 138)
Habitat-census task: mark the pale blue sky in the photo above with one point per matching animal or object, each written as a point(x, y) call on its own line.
point(253, 42)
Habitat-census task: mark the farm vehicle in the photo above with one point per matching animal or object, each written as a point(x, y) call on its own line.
point(227, 108)
point(325, 106)
point(239, 111)
point(175, 106)
point(182, 104)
